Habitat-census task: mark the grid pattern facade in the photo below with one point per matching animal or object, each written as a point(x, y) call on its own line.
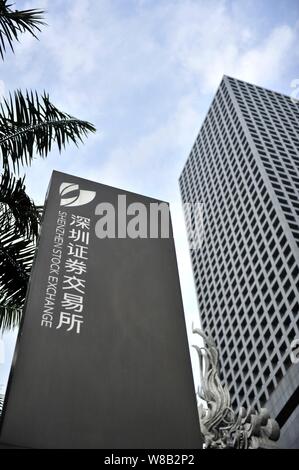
point(244, 170)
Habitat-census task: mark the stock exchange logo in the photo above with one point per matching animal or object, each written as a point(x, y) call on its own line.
point(73, 196)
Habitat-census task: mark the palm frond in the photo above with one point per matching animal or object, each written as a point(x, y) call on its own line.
point(16, 208)
point(29, 123)
point(15, 22)
point(19, 224)
point(16, 257)
point(10, 317)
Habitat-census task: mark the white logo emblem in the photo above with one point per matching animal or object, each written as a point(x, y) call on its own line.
point(79, 198)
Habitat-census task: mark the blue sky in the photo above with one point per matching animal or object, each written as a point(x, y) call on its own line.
point(144, 72)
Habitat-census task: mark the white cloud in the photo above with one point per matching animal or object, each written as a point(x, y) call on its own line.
point(210, 41)
point(109, 50)
point(265, 62)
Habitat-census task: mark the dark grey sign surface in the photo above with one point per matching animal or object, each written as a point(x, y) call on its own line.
point(102, 358)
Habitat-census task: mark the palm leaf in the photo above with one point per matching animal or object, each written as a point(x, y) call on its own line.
point(16, 257)
point(10, 317)
point(19, 224)
point(16, 208)
point(14, 23)
point(17, 250)
point(29, 123)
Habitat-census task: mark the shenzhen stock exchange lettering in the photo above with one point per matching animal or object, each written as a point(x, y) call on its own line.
point(71, 308)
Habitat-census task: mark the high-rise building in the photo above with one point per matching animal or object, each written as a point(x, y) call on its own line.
point(244, 170)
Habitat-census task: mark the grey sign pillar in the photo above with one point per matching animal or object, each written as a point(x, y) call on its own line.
point(102, 358)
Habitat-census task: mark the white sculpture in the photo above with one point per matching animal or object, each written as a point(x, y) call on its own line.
point(221, 427)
